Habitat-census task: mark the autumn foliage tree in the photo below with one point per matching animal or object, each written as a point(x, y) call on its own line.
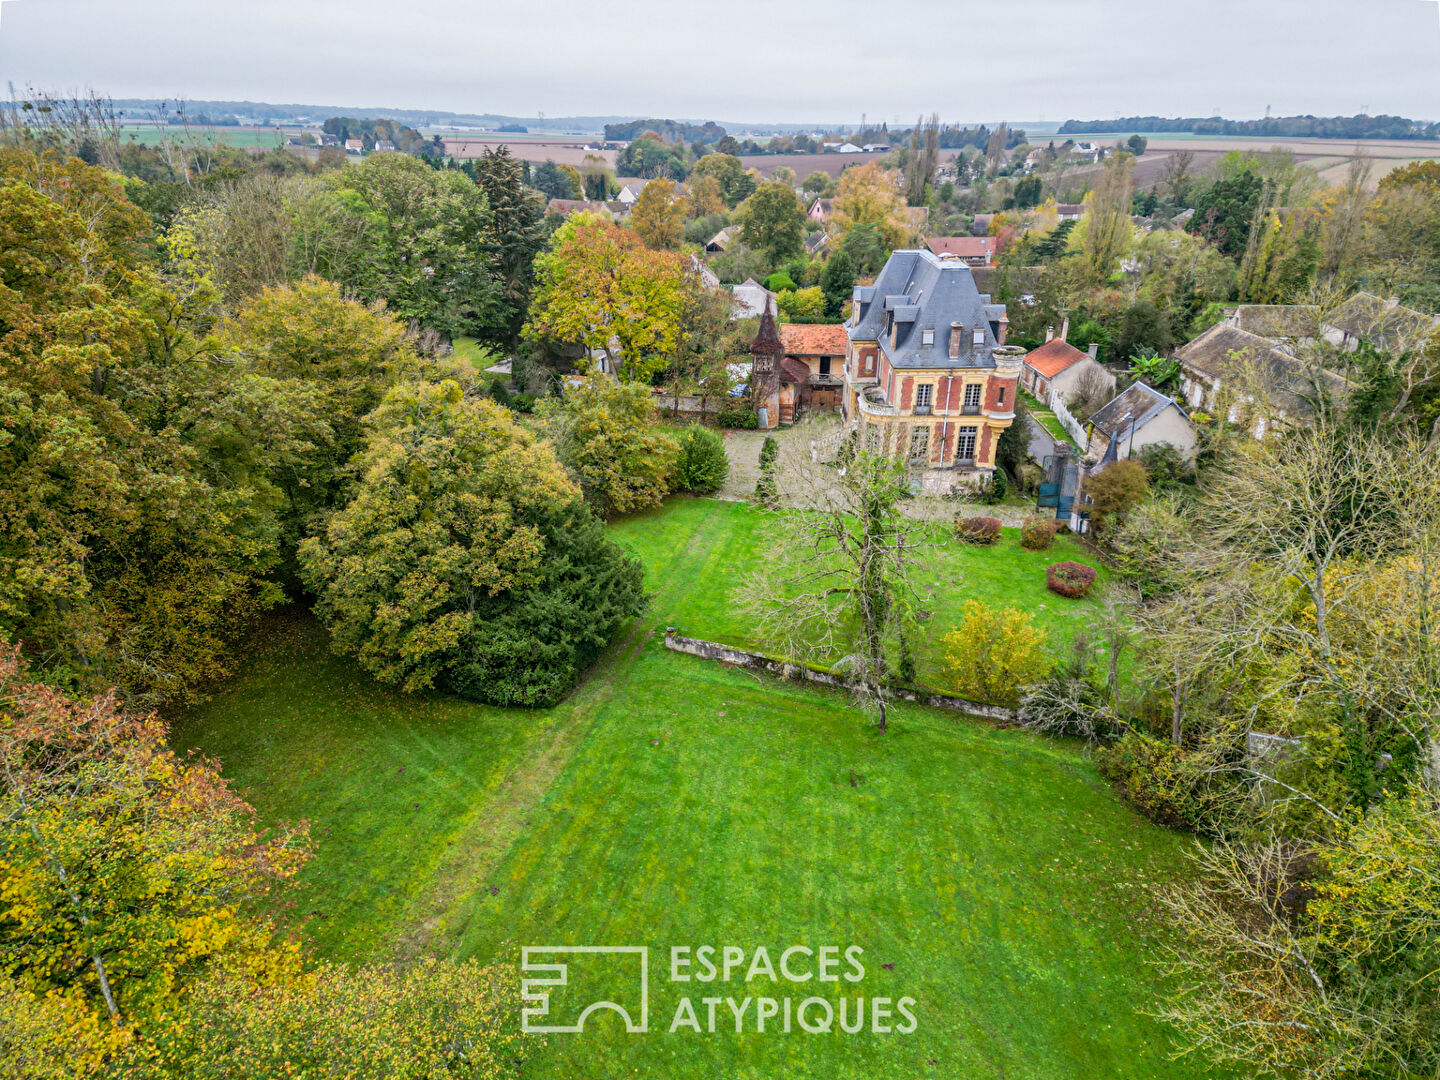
point(448, 510)
point(659, 216)
point(869, 195)
point(433, 1020)
point(125, 869)
point(128, 550)
point(774, 222)
point(599, 288)
point(605, 434)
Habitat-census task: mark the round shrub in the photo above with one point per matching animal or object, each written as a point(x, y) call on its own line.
point(523, 402)
point(1037, 534)
point(1070, 579)
point(700, 463)
point(977, 530)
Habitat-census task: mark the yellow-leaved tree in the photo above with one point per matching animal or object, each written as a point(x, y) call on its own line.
point(994, 652)
point(125, 869)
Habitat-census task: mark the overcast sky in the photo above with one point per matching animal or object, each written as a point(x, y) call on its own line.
point(747, 60)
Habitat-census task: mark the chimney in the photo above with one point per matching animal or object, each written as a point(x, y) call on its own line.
point(1065, 329)
point(1049, 334)
point(956, 330)
point(1094, 350)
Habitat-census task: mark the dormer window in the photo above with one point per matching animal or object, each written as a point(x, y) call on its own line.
point(927, 337)
point(979, 338)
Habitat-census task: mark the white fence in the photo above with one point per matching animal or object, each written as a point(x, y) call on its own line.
point(1068, 422)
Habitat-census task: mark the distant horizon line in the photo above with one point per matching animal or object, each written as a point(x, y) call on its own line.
point(621, 118)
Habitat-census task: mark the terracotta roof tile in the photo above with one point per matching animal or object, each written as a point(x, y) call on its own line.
point(813, 339)
point(967, 247)
point(1054, 357)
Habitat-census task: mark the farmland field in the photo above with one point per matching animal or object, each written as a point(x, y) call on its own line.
point(987, 874)
point(562, 151)
point(242, 138)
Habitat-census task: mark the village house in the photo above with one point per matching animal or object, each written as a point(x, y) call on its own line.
point(820, 347)
point(928, 376)
point(1069, 211)
point(820, 209)
point(1227, 371)
point(1138, 418)
point(971, 250)
point(630, 192)
point(721, 240)
point(1386, 324)
point(1057, 365)
point(354, 146)
point(751, 299)
point(384, 146)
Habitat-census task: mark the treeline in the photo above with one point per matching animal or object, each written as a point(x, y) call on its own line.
point(1318, 127)
point(669, 130)
point(405, 139)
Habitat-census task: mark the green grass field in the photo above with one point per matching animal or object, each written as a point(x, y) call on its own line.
point(735, 537)
point(1046, 418)
point(242, 138)
point(989, 874)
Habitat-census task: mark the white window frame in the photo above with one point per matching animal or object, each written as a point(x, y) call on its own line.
point(976, 391)
point(920, 444)
point(925, 391)
point(961, 434)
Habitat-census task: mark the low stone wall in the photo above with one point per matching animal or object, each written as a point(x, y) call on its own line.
point(713, 650)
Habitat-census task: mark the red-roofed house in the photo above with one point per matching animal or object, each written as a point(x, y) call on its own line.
point(817, 350)
point(971, 250)
point(1057, 365)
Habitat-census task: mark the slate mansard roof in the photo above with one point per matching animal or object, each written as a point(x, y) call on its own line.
point(925, 292)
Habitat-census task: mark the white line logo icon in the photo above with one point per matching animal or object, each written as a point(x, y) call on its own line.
point(541, 977)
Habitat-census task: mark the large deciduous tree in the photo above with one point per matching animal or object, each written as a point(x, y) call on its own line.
point(433, 237)
point(736, 185)
point(1107, 225)
point(125, 868)
point(605, 434)
point(869, 195)
point(659, 216)
point(599, 288)
point(774, 222)
point(129, 552)
point(327, 361)
point(448, 513)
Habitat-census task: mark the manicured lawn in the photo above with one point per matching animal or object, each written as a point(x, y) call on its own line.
point(988, 874)
point(1046, 418)
point(737, 539)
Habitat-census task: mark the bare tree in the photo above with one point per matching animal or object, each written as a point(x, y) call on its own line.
point(1346, 223)
point(1251, 993)
point(1107, 225)
point(80, 125)
point(1177, 176)
point(1092, 393)
point(839, 588)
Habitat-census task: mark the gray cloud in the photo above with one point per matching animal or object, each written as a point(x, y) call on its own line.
point(748, 59)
